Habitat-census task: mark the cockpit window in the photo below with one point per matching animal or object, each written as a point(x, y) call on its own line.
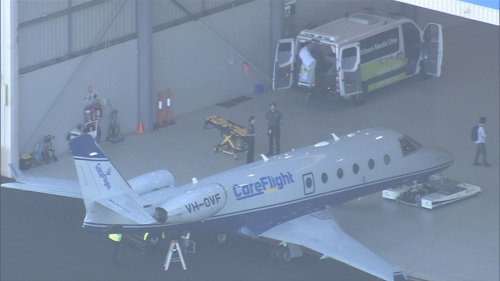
point(408, 145)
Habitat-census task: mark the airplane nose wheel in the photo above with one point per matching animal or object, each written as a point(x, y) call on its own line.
point(281, 254)
point(220, 238)
point(417, 199)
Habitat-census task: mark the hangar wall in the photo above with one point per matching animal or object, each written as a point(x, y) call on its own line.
point(54, 94)
point(200, 61)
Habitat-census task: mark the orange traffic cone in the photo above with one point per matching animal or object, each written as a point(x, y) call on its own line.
point(140, 128)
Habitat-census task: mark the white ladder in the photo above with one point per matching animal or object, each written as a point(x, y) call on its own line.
point(174, 247)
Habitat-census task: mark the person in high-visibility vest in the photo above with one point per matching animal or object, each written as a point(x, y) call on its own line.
point(117, 238)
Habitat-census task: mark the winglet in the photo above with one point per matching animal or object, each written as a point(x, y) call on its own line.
point(335, 137)
point(15, 171)
point(264, 157)
point(399, 276)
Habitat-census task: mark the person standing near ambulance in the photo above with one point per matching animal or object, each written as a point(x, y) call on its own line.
point(250, 139)
point(308, 64)
point(273, 118)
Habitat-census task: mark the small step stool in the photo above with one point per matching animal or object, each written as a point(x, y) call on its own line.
point(174, 247)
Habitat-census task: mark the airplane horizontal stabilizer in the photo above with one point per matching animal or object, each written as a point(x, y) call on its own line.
point(59, 187)
point(126, 207)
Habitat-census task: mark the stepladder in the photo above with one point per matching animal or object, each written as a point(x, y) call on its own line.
point(174, 248)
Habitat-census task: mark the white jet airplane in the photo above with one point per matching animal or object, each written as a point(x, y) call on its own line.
point(285, 198)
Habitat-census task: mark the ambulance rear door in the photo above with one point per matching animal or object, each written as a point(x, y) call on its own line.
point(349, 72)
point(433, 49)
point(283, 64)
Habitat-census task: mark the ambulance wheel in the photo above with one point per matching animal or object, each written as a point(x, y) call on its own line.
point(360, 98)
point(423, 73)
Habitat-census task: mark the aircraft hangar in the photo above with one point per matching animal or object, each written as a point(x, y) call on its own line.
point(195, 59)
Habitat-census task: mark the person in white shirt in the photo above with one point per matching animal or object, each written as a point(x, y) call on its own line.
point(308, 64)
point(305, 55)
point(481, 143)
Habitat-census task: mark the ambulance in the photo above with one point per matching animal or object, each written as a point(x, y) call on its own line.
point(357, 54)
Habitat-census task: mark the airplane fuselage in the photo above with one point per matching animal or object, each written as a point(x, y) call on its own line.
point(255, 197)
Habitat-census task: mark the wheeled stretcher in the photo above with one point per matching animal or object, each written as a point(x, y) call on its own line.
point(233, 136)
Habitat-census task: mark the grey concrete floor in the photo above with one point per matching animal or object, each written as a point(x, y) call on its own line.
point(456, 242)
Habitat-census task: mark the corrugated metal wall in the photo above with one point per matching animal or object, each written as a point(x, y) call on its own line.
point(42, 42)
point(54, 31)
point(30, 10)
point(165, 11)
point(101, 23)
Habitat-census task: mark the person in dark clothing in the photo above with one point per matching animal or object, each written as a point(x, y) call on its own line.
point(117, 240)
point(273, 118)
point(250, 139)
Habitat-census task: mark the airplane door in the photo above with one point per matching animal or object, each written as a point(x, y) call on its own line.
point(349, 73)
point(283, 64)
point(433, 49)
point(308, 182)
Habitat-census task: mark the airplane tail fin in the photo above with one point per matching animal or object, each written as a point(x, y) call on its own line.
point(107, 195)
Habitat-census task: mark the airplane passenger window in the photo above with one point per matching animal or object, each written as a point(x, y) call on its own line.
point(387, 159)
point(324, 178)
point(371, 164)
point(355, 168)
point(309, 182)
point(340, 173)
point(408, 145)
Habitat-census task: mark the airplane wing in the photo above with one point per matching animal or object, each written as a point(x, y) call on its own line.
point(52, 186)
point(318, 231)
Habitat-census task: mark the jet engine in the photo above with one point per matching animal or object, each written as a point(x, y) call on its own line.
point(152, 181)
point(195, 204)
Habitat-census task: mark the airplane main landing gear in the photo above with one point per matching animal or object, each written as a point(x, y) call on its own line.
point(281, 254)
point(221, 238)
point(284, 253)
